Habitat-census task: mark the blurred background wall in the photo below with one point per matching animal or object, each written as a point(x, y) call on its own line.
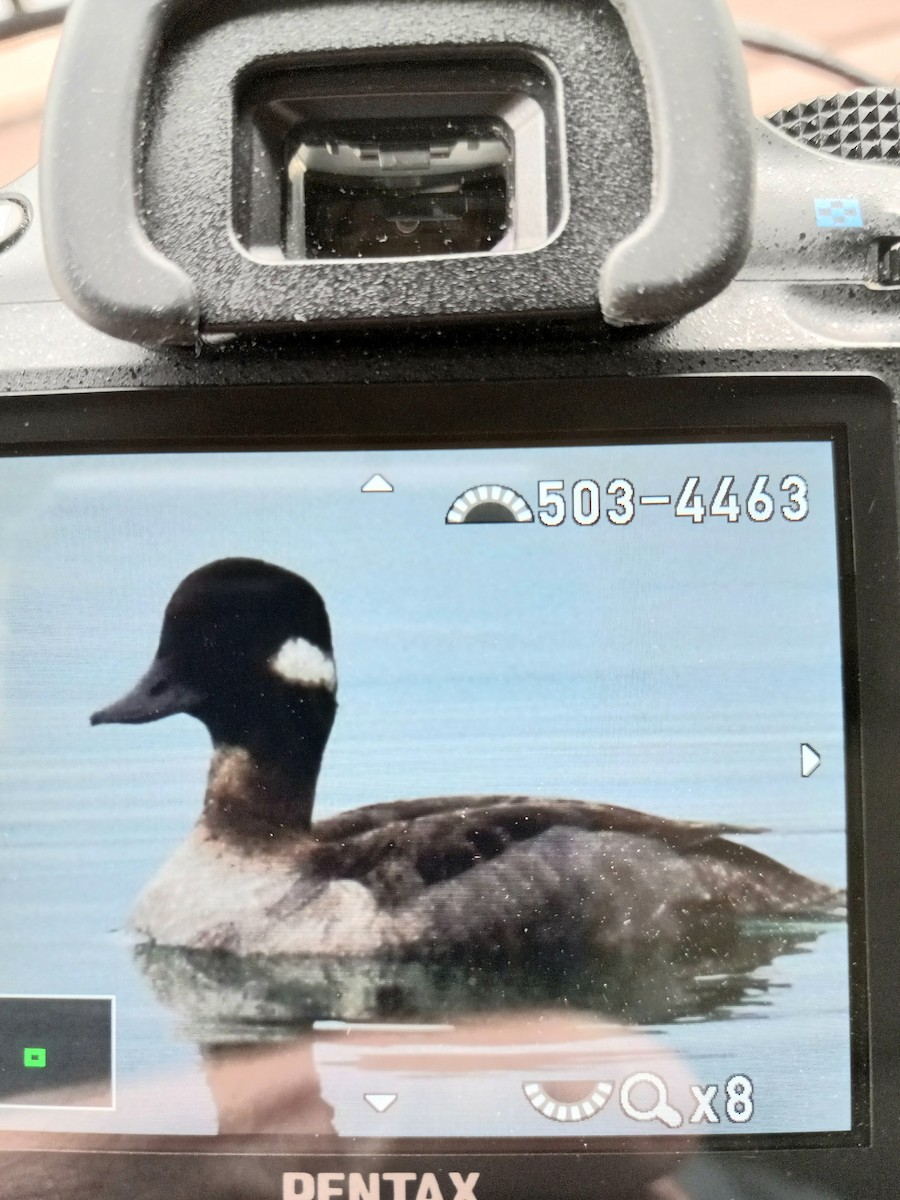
point(865, 33)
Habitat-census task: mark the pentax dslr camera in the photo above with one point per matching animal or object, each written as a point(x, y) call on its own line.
point(448, 613)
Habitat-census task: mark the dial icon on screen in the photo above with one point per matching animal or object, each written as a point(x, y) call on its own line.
point(490, 504)
point(568, 1100)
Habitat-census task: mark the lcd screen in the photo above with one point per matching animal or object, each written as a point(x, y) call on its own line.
point(601, 690)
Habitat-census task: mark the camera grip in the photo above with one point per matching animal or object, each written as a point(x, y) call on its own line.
point(697, 234)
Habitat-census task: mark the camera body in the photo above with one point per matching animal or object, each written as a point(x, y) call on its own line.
point(196, 267)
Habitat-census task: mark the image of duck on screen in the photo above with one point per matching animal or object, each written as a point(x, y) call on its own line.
point(522, 770)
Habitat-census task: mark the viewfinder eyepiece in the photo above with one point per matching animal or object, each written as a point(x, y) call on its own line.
point(402, 188)
point(396, 160)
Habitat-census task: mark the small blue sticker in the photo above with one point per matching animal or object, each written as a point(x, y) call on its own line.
point(841, 212)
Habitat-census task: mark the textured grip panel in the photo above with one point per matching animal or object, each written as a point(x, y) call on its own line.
point(861, 125)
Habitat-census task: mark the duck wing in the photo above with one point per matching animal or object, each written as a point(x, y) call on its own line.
point(531, 813)
point(401, 849)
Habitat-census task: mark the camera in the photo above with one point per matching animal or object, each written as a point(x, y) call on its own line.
point(462, 439)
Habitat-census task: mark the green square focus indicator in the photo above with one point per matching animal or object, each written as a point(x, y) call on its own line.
point(35, 1058)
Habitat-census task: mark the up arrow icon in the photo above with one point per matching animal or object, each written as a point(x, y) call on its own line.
point(810, 760)
point(377, 484)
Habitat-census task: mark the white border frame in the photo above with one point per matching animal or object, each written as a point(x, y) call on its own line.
point(112, 1061)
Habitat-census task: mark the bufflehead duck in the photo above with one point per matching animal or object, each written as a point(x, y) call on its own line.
point(246, 648)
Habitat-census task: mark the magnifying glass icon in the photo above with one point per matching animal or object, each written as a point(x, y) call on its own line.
point(661, 1110)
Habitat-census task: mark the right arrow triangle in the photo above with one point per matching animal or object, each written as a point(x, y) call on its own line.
point(810, 760)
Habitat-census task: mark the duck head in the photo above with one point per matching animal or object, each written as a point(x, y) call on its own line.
point(245, 648)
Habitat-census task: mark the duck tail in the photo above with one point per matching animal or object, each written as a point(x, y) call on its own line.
point(759, 886)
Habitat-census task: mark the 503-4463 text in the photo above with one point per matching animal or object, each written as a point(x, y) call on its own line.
point(588, 502)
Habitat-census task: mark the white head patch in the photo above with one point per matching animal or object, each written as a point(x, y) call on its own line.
point(299, 661)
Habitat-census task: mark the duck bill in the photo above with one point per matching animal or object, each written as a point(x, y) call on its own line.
point(159, 694)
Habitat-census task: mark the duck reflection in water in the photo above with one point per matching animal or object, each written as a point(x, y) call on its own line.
point(442, 904)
